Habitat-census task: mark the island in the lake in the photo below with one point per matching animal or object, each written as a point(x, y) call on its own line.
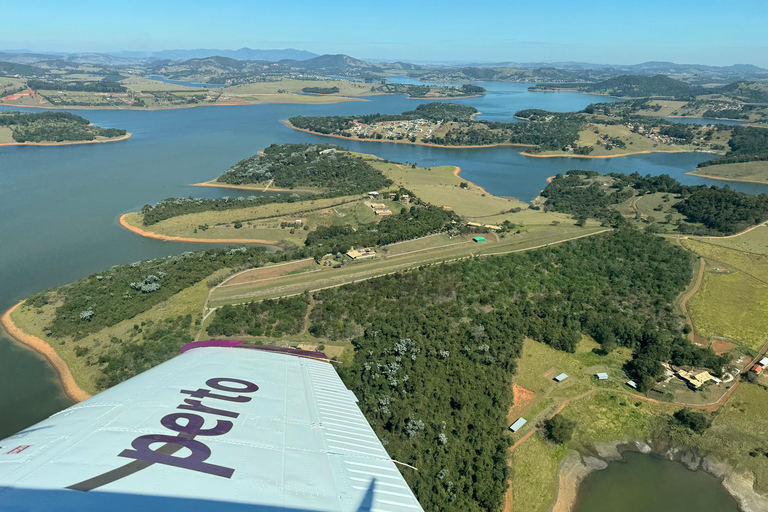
point(53, 128)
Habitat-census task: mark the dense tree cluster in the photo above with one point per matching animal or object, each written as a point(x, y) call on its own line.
point(724, 210)
point(410, 223)
point(119, 293)
point(721, 211)
point(266, 318)
point(320, 90)
point(53, 127)
point(97, 86)
point(308, 165)
point(698, 421)
point(559, 429)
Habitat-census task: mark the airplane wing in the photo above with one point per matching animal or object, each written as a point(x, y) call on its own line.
point(223, 426)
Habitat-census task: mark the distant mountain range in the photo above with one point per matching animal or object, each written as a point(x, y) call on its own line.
point(133, 57)
point(241, 54)
point(247, 60)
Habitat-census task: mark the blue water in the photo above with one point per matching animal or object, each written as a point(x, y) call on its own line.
point(59, 205)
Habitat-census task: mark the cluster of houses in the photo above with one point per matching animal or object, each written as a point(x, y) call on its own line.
point(651, 132)
point(760, 366)
point(396, 128)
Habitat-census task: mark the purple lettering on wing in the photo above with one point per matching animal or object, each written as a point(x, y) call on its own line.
point(195, 461)
point(248, 387)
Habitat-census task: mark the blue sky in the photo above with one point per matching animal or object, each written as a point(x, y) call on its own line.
point(616, 31)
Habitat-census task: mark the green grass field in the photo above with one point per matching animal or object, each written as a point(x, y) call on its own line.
point(747, 171)
point(651, 209)
point(733, 300)
point(755, 241)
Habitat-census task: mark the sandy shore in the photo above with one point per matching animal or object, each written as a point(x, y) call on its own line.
point(68, 143)
point(604, 156)
point(289, 125)
point(216, 184)
point(694, 173)
point(71, 388)
point(157, 236)
point(456, 173)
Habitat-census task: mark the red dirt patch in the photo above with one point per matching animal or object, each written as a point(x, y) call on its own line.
point(522, 396)
point(721, 346)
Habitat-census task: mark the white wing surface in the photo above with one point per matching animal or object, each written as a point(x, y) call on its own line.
point(215, 428)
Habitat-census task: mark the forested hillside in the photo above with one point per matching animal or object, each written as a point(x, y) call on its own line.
point(435, 348)
point(707, 210)
point(633, 86)
point(308, 165)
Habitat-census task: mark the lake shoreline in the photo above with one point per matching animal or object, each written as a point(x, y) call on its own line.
point(150, 234)
point(68, 384)
point(289, 125)
point(215, 184)
point(68, 143)
point(606, 156)
point(576, 467)
point(693, 173)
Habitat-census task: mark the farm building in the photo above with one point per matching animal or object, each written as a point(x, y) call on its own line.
point(602, 376)
point(361, 254)
point(479, 239)
point(383, 212)
point(378, 206)
point(763, 362)
point(561, 377)
point(632, 384)
point(474, 224)
point(695, 378)
point(758, 368)
point(518, 424)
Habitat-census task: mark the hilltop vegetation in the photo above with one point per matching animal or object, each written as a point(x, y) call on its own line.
point(53, 127)
point(100, 86)
point(327, 168)
point(308, 165)
point(632, 86)
point(707, 210)
point(747, 144)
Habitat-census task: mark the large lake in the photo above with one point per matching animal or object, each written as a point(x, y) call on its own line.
point(59, 205)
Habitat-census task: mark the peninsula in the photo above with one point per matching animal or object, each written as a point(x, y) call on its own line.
point(599, 131)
